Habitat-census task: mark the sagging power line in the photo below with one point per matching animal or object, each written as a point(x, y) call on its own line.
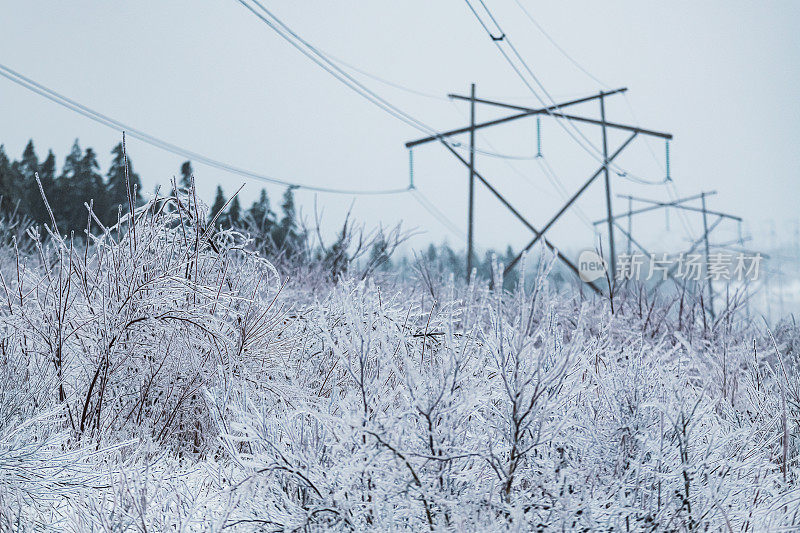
point(112, 123)
point(502, 40)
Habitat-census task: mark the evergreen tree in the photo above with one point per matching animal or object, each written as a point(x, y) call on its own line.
point(219, 204)
point(260, 213)
point(6, 182)
point(430, 253)
point(289, 219)
point(117, 188)
point(90, 187)
point(47, 172)
point(234, 212)
point(450, 259)
point(29, 162)
point(66, 189)
point(510, 279)
point(79, 182)
point(47, 175)
point(72, 162)
point(261, 220)
point(186, 175)
point(24, 187)
point(285, 234)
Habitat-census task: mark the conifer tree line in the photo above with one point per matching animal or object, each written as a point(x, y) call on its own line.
point(80, 180)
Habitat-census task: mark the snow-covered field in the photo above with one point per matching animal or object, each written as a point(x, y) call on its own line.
point(167, 379)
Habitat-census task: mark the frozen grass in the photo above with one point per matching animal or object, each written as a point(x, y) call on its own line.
point(165, 378)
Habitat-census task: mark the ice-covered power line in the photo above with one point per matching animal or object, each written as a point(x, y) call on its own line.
point(329, 63)
point(671, 186)
point(326, 63)
point(389, 83)
point(110, 122)
point(96, 116)
point(436, 213)
point(559, 48)
point(586, 71)
point(500, 37)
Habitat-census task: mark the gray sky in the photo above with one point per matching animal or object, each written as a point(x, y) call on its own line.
point(723, 77)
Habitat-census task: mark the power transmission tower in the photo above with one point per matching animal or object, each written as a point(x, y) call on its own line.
point(704, 239)
point(555, 111)
point(612, 250)
point(470, 215)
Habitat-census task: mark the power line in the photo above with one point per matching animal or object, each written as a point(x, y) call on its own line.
point(589, 74)
point(158, 143)
point(670, 185)
point(105, 120)
point(389, 83)
point(328, 63)
point(602, 84)
point(558, 47)
point(503, 37)
point(285, 32)
point(324, 62)
point(671, 188)
point(419, 92)
point(431, 208)
point(591, 149)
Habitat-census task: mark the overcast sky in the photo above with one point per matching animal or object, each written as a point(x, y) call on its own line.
point(723, 77)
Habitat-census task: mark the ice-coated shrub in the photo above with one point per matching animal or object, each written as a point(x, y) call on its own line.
point(127, 330)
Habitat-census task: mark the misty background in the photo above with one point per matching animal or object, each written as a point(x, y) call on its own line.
point(210, 77)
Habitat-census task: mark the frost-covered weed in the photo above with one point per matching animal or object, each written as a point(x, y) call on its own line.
point(161, 379)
